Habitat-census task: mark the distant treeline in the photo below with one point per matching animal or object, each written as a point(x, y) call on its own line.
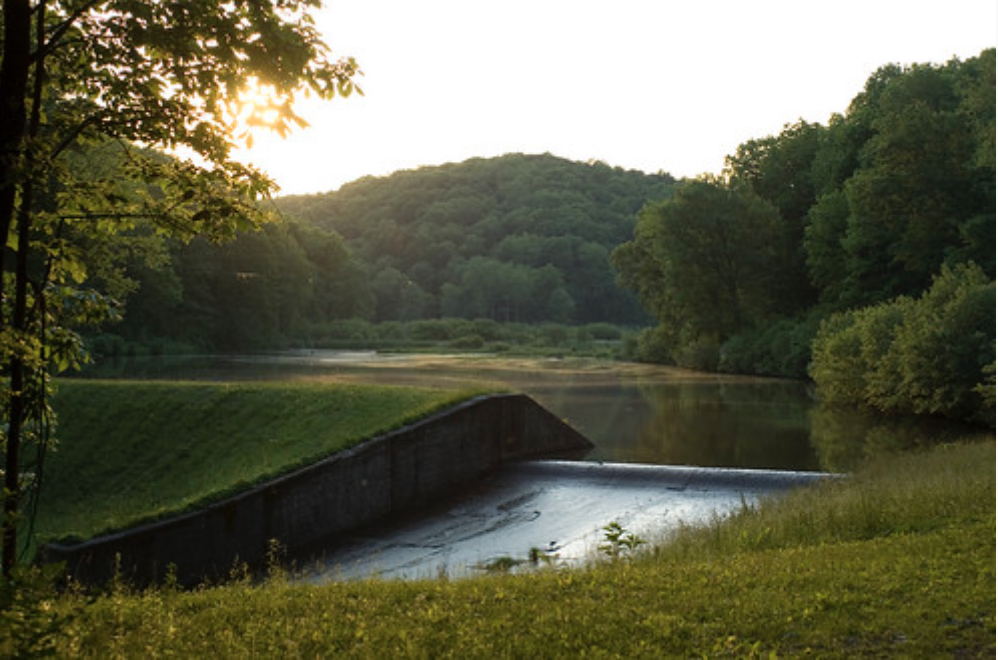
point(519, 239)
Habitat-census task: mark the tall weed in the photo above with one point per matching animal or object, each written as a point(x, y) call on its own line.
point(893, 494)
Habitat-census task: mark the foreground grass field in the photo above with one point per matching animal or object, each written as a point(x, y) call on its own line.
point(897, 560)
point(132, 451)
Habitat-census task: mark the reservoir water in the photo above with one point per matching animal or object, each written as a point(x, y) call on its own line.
point(672, 447)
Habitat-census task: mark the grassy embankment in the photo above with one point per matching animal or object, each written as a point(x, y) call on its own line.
point(136, 451)
point(898, 559)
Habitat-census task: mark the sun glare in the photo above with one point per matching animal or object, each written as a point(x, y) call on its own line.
point(259, 104)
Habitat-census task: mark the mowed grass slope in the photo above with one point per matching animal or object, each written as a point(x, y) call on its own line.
point(895, 561)
point(133, 451)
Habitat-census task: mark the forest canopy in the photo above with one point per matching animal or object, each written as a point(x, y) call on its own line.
point(871, 209)
point(518, 238)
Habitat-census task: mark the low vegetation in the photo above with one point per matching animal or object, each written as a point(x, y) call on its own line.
point(933, 355)
point(173, 446)
point(897, 559)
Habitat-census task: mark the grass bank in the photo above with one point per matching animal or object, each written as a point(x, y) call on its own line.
point(134, 451)
point(898, 559)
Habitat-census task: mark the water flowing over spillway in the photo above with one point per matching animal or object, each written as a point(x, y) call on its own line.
point(552, 511)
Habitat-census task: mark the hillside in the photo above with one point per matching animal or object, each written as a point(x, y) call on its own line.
point(517, 238)
point(514, 238)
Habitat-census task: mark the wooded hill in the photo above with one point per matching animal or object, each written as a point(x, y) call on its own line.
point(511, 239)
point(517, 238)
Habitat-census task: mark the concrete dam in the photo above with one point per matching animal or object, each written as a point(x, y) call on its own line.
point(484, 480)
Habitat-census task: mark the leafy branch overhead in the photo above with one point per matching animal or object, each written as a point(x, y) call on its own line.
point(188, 78)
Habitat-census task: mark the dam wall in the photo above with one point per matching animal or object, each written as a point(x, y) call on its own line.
point(393, 473)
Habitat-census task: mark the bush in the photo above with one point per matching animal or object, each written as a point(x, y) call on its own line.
point(653, 345)
point(352, 330)
point(553, 334)
point(604, 331)
point(468, 342)
point(780, 349)
point(106, 345)
point(701, 354)
point(927, 356)
point(941, 350)
point(437, 329)
point(30, 624)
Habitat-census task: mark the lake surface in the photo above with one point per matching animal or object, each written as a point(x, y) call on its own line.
point(633, 413)
point(730, 440)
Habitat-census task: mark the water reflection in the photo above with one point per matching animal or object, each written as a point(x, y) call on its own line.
point(747, 425)
point(632, 413)
point(843, 439)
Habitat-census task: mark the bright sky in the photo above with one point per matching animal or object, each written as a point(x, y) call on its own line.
point(654, 85)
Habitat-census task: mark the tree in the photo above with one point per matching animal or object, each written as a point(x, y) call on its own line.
point(778, 169)
point(702, 261)
point(166, 75)
point(905, 183)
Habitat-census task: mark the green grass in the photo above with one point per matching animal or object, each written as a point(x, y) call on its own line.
point(897, 560)
point(135, 451)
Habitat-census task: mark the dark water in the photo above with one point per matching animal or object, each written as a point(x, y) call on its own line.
point(632, 413)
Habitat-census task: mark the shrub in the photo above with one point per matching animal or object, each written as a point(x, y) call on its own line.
point(30, 624)
point(553, 334)
point(604, 331)
point(653, 345)
point(925, 356)
point(701, 353)
point(354, 330)
point(437, 329)
point(468, 342)
point(782, 348)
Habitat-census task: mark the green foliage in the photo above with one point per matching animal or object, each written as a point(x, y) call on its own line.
point(516, 238)
point(254, 292)
point(920, 192)
point(465, 240)
point(781, 348)
point(868, 208)
point(652, 345)
point(924, 356)
point(85, 84)
point(779, 170)
point(896, 560)
point(31, 622)
point(700, 261)
point(175, 446)
point(618, 542)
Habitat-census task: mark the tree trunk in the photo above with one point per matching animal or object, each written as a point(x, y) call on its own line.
point(13, 107)
point(14, 72)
